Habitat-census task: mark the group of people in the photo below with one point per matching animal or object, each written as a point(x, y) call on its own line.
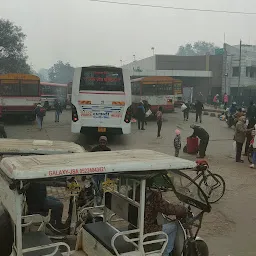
point(40, 113)
point(141, 114)
point(198, 106)
point(216, 100)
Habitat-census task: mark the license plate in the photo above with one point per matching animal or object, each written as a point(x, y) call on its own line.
point(102, 129)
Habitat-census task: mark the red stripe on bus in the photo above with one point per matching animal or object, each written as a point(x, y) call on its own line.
point(24, 97)
point(114, 93)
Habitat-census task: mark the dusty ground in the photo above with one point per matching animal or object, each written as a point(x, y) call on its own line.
point(230, 227)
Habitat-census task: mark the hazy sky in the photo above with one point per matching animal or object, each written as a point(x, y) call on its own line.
point(86, 33)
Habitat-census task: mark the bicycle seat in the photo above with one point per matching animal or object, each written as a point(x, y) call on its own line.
point(202, 162)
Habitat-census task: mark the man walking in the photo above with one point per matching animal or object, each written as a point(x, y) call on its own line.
point(186, 111)
point(225, 100)
point(199, 110)
point(58, 110)
point(240, 135)
point(141, 116)
point(40, 113)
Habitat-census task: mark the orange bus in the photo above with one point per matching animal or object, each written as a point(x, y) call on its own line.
point(178, 92)
point(156, 90)
point(19, 95)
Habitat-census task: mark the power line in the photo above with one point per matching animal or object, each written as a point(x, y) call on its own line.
point(173, 8)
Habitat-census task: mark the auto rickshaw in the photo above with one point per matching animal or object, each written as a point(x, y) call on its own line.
point(120, 231)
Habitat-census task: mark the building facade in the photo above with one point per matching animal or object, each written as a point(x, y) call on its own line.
point(243, 87)
point(201, 73)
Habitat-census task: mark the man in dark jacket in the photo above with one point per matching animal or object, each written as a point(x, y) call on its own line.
point(147, 108)
point(2, 131)
point(102, 145)
point(251, 116)
point(40, 113)
point(98, 179)
point(203, 135)
point(141, 116)
point(58, 110)
point(186, 111)
point(199, 110)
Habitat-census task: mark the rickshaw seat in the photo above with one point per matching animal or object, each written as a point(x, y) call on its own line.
point(103, 232)
point(34, 239)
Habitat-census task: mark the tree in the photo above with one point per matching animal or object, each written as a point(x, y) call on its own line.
point(61, 73)
point(198, 48)
point(13, 56)
point(43, 74)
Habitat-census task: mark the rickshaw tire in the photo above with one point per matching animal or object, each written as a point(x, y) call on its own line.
point(202, 248)
point(223, 184)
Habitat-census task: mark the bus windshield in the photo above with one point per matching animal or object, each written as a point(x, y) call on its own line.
point(25, 88)
point(158, 89)
point(101, 79)
point(61, 91)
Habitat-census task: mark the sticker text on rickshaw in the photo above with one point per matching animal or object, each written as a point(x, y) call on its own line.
point(76, 171)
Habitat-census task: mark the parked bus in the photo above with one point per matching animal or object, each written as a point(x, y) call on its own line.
point(52, 91)
point(101, 100)
point(19, 95)
point(178, 92)
point(156, 90)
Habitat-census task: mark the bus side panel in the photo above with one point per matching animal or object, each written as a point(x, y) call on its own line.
point(76, 84)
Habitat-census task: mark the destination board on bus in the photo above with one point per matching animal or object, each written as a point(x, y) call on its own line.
point(107, 79)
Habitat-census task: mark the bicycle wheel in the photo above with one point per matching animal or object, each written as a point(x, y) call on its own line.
point(214, 187)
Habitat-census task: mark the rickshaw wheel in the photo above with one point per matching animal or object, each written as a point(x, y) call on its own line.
point(202, 248)
point(6, 233)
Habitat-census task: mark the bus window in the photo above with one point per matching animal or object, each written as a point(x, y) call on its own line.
point(10, 88)
point(101, 79)
point(136, 88)
point(29, 88)
point(149, 89)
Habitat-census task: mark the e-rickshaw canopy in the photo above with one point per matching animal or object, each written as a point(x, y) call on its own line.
point(38, 147)
point(124, 161)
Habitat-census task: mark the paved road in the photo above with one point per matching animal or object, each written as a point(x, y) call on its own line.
point(230, 228)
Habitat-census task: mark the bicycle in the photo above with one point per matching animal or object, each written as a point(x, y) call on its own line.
point(210, 183)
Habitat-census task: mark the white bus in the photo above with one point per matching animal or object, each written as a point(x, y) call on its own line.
point(101, 100)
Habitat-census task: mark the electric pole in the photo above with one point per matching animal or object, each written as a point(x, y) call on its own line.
point(239, 75)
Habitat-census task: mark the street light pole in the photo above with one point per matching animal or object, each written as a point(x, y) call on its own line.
point(239, 76)
point(121, 61)
point(153, 50)
point(134, 57)
point(226, 82)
